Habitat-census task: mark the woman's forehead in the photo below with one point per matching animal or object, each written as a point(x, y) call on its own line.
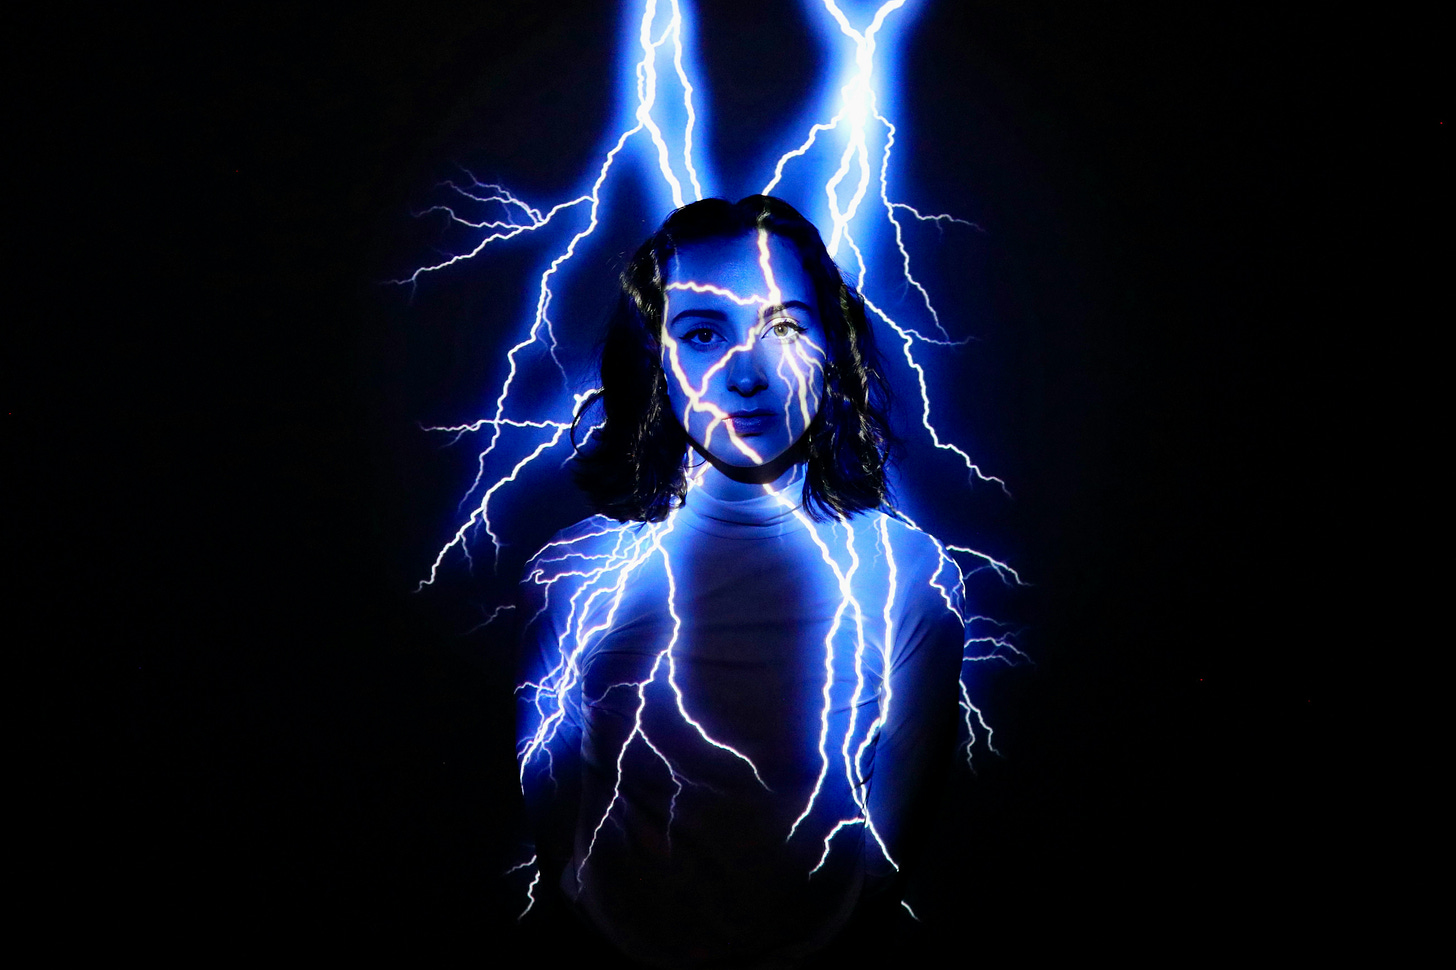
point(735, 264)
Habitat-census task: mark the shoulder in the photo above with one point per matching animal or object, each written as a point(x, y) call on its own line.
point(591, 552)
point(924, 569)
point(595, 537)
point(571, 554)
point(557, 569)
point(912, 548)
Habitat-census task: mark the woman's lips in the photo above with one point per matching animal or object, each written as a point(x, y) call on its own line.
point(753, 422)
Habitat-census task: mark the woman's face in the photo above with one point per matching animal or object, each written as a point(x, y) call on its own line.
point(743, 349)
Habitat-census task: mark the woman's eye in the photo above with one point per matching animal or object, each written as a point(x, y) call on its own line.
point(701, 336)
point(785, 329)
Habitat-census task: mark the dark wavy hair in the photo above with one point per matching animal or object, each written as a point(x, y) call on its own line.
point(633, 466)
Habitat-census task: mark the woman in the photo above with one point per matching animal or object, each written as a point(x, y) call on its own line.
point(741, 671)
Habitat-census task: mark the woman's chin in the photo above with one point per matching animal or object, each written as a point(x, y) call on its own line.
point(740, 468)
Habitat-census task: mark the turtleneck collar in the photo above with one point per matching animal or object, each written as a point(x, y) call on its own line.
point(761, 517)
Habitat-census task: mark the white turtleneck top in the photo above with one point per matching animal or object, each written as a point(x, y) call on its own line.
point(727, 715)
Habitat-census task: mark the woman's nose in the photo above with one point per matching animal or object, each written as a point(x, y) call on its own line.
point(746, 375)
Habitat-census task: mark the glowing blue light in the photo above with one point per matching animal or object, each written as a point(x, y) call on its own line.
point(839, 170)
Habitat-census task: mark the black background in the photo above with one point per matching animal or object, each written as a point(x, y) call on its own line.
point(1207, 222)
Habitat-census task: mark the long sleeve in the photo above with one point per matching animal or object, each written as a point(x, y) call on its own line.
point(919, 702)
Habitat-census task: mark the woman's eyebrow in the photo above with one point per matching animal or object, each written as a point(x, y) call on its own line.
point(702, 313)
point(707, 313)
point(769, 311)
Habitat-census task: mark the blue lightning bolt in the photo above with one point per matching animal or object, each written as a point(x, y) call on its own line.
point(852, 132)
